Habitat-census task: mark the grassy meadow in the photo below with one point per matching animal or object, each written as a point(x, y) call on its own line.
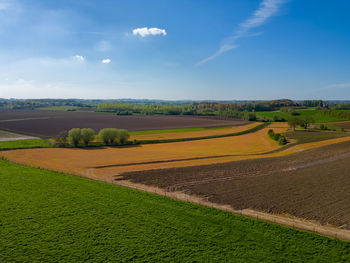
point(50, 217)
point(21, 144)
point(315, 114)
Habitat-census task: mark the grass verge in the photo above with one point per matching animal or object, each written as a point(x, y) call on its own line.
point(50, 217)
point(21, 144)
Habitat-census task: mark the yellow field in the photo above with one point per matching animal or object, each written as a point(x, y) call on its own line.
point(150, 156)
point(194, 134)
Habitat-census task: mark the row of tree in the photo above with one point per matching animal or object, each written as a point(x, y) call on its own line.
point(336, 113)
point(86, 136)
point(303, 121)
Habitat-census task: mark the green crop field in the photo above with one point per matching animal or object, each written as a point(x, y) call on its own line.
point(172, 130)
point(35, 143)
point(315, 114)
point(176, 130)
point(52, 217)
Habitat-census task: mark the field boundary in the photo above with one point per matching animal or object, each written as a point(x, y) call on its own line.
point(284, 220)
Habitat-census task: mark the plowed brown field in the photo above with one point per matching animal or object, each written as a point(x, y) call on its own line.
point(48, 124)
point(313, 184)
point(345, 125)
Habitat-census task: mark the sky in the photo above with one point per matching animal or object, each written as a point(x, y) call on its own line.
point(175, 49)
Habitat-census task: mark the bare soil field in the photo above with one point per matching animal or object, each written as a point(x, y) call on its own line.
point(48, 124)
point(314, 136)
point(313, 184)
point(345, 125)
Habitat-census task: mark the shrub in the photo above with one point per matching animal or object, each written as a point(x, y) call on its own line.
point(276, 136)
point(123, 136)
point(87, 135)
point(74, 136)
point(108, 135)
point(61, 138)
point(282, 140)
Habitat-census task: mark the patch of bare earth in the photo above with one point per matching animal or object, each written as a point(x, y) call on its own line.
point(312, 185)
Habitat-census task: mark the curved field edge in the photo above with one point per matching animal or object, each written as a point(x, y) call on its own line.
point(41, 143)
point(49, 216)
point(254, 129)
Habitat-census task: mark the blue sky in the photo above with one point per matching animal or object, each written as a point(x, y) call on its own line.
point(167, 49)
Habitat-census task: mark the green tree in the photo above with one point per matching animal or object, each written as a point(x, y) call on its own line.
point(74, 136)
point(123, 136)
point(87, 134)
point(293, 122)
point(108, 135)
point(306, 121)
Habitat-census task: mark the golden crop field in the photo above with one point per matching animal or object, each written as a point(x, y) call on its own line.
point(104, 163)
point(90, 162)
point(194, 134)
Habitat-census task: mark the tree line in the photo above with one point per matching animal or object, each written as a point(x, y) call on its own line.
point(85, 137)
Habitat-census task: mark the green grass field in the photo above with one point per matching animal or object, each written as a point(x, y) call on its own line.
point(316, 114)
point(35, 143)
point(52, 217)
point(175, 130)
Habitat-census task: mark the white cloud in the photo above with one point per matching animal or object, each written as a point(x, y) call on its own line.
point(267, 9)
point(145, 31)
point(103, 46)
point(106, 61)
point(78, 58)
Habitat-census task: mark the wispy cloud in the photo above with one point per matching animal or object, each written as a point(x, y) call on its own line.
point(78, 58)
point(145, 31)
point(106, 61)
point(267, 9)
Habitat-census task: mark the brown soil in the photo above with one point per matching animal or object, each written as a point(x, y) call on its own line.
point(47, 124)
point(345, 125)
point(313, 184)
